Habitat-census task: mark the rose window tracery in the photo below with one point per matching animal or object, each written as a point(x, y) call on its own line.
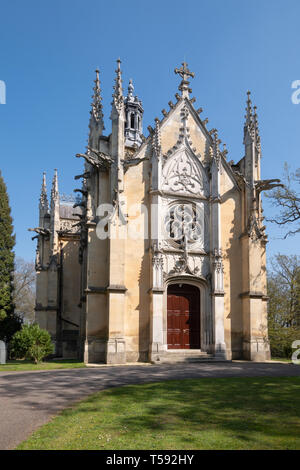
point(183, 224)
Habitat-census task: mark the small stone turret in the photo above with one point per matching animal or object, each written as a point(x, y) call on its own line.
point(134, 118)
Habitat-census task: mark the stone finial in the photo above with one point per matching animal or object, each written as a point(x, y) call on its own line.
point(54, 189)
point(225, 151)
point(130, 96)
point(118, 99)
point(185, 74)
point(251, 123)
point(249, 115)
point(256, 128)
point(97, 109)
point(43, 197)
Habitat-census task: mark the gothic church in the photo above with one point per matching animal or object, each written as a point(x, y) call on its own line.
point(161, 256)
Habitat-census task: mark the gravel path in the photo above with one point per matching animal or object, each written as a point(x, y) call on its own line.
point(29, 399)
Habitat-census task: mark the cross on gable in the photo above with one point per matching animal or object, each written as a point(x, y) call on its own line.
point(185, 74)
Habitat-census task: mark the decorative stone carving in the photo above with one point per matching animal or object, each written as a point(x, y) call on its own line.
point(185, 74)
point(185, 221)
point(67, 225)
point(182, 173)
point(218, 271)
point(157, 264)
point(187, 263)
point(118, 99)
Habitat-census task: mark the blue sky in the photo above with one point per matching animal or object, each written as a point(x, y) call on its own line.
point(49, 51)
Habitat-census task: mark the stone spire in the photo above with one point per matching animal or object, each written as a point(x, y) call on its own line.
point(118, 99)
point(256, 129)
point(96, 124)
point(54, 189)
point(134, 116)
point(117, 138)
point(249, 114)
point(252, 149)
point(44, 206)
point(185, 74)
point(251, 131)
point(97, 109)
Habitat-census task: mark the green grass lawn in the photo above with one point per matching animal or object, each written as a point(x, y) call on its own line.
point(20, 365)
point(231, 413)
point(282, 359)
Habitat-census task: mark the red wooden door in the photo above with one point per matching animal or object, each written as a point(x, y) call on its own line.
point(183, 320)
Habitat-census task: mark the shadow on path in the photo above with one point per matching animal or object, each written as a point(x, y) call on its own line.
point(29, 399)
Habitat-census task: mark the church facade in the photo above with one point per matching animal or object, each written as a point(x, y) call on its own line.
point(162, 255)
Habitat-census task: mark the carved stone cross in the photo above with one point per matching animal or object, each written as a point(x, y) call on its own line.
point(185, 74)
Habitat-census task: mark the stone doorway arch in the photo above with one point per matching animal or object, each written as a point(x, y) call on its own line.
point(183, 316)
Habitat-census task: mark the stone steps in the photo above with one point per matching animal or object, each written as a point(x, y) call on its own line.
point(186, 356)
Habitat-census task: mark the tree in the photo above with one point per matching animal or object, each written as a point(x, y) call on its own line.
point(24, 289)
point(284, 303)
point(9, 321)
point(31, 342)
point(287, 200)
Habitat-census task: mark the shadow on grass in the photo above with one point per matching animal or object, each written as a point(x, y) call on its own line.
point(248, 409)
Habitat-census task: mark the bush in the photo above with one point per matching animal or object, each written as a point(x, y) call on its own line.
point(31, 342)
point(281, 340)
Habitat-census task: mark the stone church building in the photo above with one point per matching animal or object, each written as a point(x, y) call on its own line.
point(161, 256)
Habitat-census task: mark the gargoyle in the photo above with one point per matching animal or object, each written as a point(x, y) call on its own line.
point(79, 204)
point(266, 185)
point(40, 231)
point(103, 161)
point(87, 174)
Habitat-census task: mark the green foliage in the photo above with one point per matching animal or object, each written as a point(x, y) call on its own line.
point(281, 339)
point(9, 322)
point(31, 342)
point(284, 304)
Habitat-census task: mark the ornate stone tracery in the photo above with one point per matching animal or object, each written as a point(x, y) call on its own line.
point(182, 173)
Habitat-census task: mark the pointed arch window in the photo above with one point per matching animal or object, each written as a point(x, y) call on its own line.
point(132, 120)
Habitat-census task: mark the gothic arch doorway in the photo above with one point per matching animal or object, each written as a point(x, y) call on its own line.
point(183, 316)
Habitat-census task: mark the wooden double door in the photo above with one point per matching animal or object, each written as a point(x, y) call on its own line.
point(183, 317)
